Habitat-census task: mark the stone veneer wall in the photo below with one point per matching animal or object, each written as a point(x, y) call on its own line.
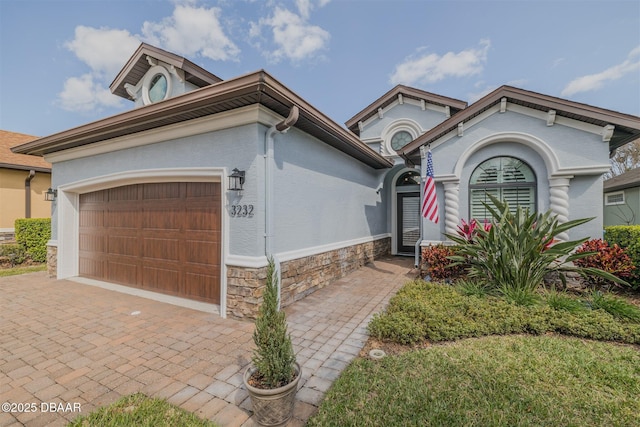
point(299, 277)
point(52, 261)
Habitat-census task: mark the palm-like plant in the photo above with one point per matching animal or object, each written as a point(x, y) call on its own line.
point(519, 249)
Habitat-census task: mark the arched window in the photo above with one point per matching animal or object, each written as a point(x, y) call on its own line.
point(408, 178)
point(507, 178)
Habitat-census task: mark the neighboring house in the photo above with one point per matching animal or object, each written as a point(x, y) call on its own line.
point(23, 181)
point(622, 199)
point(146, 198)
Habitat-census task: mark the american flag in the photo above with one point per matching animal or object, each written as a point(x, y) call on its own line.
point(430, 201)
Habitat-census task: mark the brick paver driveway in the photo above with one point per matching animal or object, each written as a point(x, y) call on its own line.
point(84, 347)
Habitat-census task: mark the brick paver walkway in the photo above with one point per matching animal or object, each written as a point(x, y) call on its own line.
point(65, 342)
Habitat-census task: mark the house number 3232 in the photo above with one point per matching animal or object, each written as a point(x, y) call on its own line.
point(241, 210)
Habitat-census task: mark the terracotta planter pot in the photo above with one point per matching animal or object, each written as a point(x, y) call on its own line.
point(272, 407)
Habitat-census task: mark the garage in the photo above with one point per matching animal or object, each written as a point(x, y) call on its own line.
point(162, 237)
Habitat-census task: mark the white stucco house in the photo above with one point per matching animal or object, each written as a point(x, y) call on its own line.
point(189, 192)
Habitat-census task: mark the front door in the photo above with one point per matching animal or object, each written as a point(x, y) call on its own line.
point(408, 222)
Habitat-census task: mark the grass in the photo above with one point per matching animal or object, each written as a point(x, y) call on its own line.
point(491, 381)
point(22, 270)
point(142, 411)
point(495, 363)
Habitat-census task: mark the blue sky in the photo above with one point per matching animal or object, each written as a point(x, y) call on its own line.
point(58, 57)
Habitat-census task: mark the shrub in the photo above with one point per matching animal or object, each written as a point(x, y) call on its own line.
point(612, 259)
point(273, 357)
point(33, 234)
point(436, 262)
point(517, 251)
point(628, 238)
point(13, 254)
point(429, 311)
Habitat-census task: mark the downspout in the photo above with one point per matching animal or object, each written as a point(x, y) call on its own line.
point(281, 127)
point(27, 193)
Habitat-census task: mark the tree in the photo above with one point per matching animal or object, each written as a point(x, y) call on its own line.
point(625, 158)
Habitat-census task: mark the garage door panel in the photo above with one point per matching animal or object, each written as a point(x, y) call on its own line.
point(91, 266)
point(163, 191)
point(125, 193)
point(162, 249)
point(163, 237)
point(202, 219)
point(203, 286)
point(92, 217)
point(123, 245)
point(162, 219)
point(161, 279)
point(200, 252)
point(122, 271)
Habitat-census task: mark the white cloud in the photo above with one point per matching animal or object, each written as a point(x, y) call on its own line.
point(295, 38)
point(83, 94)
point(596, 81)
point(104, 50)
point(431, 67)
point(191, 31)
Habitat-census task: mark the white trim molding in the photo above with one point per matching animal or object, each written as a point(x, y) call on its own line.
point(261, 261)
point(225, 120)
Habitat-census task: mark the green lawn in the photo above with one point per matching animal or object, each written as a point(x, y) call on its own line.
point(140, 411)
point(523, 368)
point(22, 270)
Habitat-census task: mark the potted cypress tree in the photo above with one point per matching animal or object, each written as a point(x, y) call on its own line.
point(272, 378)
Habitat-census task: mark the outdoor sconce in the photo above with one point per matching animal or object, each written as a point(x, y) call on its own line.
point(236, 180)
point(50, 195)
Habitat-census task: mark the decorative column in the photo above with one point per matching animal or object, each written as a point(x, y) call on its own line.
point(451, 206)
point(559, 201)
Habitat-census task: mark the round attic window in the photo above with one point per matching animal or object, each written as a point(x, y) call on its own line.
point(158, 88)
point(400, 139)
point(156, 85)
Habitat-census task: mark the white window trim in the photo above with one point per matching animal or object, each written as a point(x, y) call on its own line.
point(407, 125)
point(146, 82)
point(615, 193)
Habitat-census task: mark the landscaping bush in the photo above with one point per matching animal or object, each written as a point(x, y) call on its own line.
point(436, 263)
point(519, 249)
point(612, 259)
point(628, 238)
point(12, 254)
point(429, 311)
point(33, 234)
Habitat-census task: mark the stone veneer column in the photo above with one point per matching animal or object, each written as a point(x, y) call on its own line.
point(451, 206)
point(559, 201)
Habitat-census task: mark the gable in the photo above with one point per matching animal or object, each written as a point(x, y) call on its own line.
point(146, 57)
point(615, 129)
point(400, 95)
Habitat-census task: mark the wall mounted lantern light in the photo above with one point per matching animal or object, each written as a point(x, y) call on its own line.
point(51, 195)
point(236, 180)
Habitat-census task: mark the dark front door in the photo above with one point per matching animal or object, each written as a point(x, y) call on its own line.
point(408, 222)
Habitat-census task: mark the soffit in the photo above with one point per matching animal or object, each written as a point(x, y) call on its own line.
point(254, 88)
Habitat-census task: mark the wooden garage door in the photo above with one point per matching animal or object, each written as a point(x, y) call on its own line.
point(162, 237)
